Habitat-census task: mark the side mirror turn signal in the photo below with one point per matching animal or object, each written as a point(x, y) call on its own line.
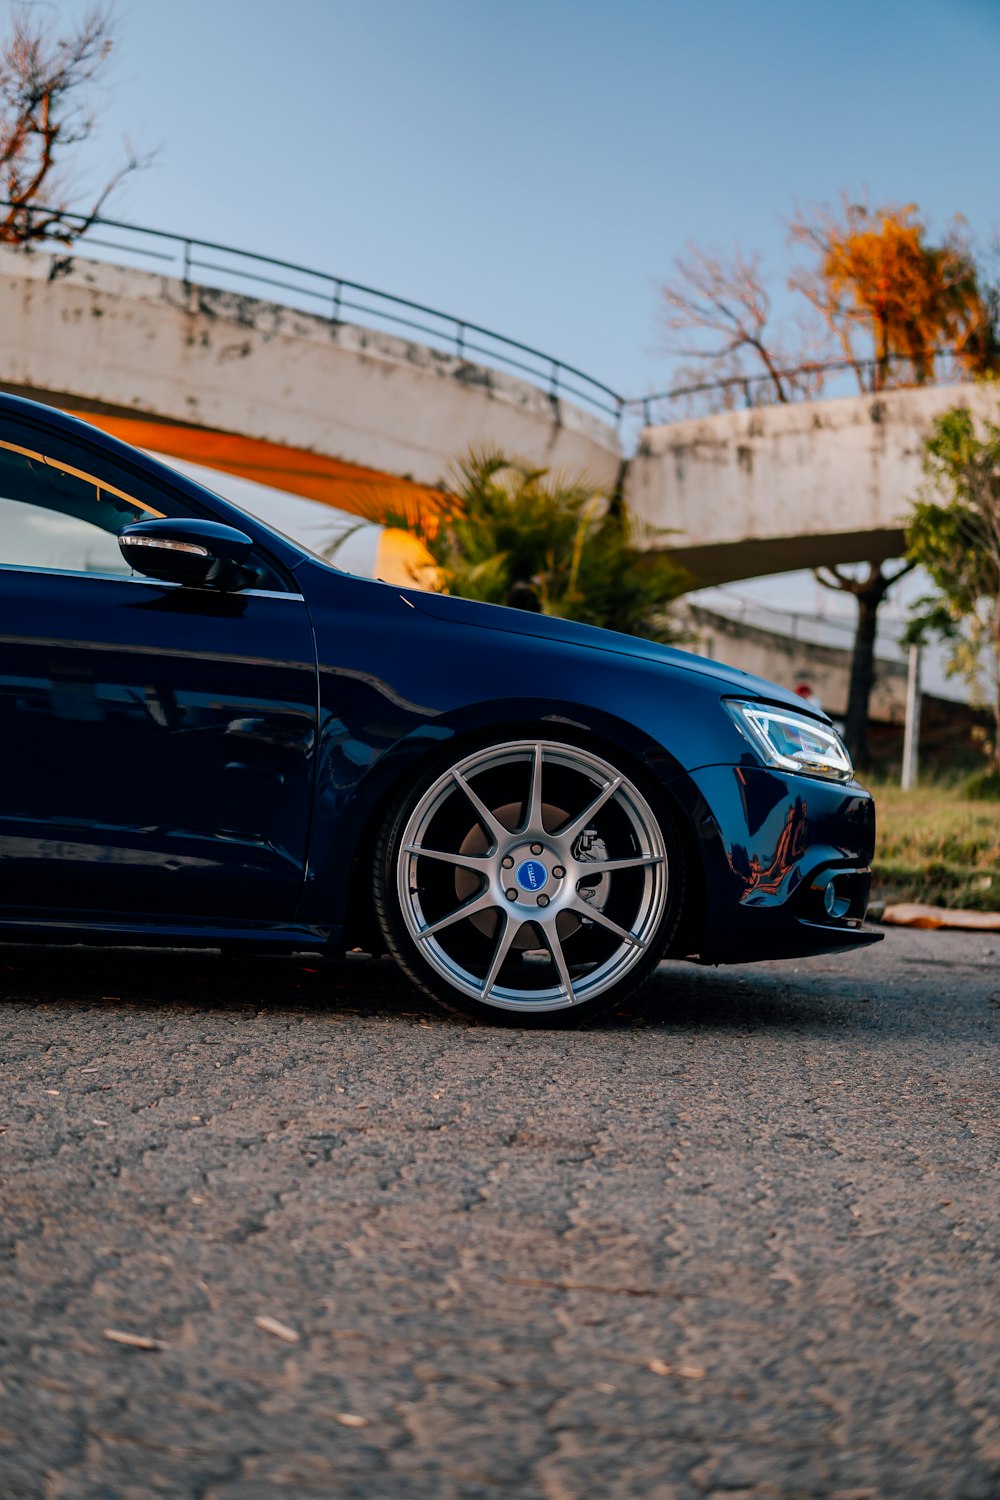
point(201, 554)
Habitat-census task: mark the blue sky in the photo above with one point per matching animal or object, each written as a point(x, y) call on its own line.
point(535, 165)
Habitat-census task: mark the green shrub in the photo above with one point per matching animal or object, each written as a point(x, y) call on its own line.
point(982, 786)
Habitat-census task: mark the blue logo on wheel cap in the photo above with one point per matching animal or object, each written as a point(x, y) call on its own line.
point(531, 875)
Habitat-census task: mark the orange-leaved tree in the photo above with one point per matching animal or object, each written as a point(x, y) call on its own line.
point(895, 302)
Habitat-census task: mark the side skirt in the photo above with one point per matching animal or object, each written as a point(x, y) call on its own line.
point(110, 930)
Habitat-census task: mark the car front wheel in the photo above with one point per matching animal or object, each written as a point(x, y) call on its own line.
point(528, 879)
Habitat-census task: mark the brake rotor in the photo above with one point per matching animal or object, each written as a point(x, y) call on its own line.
point(589, 846)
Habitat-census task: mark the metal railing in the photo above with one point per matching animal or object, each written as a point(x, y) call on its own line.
point(332, 297)
point(803, 626)
point(796, 378)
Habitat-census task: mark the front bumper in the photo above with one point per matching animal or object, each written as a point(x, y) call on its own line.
point(770, 845)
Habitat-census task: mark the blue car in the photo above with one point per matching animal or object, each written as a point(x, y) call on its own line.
point(210, 736)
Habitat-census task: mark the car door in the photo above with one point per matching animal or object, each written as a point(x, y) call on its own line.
point(156, 741)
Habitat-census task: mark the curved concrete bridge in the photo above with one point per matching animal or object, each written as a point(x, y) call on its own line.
point(781, 487)
point(330, 411)
point(362, 420)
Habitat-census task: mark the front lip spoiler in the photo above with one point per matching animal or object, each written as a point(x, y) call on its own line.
point(854, 936)
point(799, 939)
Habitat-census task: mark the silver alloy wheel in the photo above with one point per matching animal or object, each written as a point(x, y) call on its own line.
point(524, 841)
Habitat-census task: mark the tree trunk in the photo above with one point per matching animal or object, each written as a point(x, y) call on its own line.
point(869, 591)
point(994, 647)
point(863, 673)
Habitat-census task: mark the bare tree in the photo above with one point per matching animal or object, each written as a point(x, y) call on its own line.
point(44, 114)
point(869, 590)
point(718, 314)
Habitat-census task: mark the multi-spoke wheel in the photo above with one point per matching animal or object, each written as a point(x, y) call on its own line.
point(529, 877)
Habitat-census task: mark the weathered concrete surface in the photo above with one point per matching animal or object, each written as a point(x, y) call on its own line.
point(740, 495)
point(755, 492)
point(744, 1248)
point(138, 343)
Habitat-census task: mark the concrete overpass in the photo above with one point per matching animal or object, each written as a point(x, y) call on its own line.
point(346, 415)
point(783, 487)
point(365, 421)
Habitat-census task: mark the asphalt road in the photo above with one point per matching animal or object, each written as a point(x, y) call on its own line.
point(745, 1245)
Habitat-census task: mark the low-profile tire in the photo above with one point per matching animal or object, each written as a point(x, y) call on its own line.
point(528, 881)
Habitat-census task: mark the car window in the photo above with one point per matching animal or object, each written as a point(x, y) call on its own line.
point(55, 516)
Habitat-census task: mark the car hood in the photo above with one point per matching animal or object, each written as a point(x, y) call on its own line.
point(593, 638)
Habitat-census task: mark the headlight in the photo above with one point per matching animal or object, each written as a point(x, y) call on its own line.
point(792, 741)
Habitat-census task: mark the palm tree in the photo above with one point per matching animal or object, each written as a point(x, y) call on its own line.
point(507, 533)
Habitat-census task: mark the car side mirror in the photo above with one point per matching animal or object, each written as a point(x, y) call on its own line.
point(201, 554)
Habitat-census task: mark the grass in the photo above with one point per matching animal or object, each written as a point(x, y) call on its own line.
point(938, 846)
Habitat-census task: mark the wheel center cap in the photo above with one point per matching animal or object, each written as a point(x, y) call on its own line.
point(531, 875)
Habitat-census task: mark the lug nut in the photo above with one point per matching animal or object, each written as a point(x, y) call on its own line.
point(511, 894)
point(558, 872)
point(543, 900)
point(508, 861)
point(536, 848)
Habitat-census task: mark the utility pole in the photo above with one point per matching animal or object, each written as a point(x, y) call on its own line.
point(911, 731)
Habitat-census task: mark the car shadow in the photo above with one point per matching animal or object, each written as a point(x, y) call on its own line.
point(677, 997)
point(753, 997)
